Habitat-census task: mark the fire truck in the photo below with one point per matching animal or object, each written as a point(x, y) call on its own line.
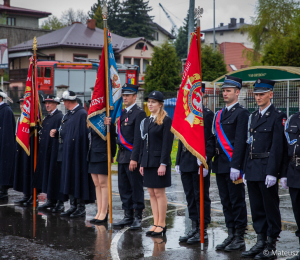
point(79, 76)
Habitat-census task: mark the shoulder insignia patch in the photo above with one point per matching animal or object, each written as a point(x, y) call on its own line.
point(283, 121)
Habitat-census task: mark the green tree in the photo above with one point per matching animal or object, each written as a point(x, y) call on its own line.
point(212, 63)
point(274, 18)
point(114, 9)
point(136, 21)
point(52, 23)
point(182, 40)
point(164, 72)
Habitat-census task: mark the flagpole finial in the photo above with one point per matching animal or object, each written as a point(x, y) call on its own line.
point(104, 11)
point(34, 46)
point(198, 12)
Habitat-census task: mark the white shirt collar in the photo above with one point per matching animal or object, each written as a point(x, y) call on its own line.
point(128, 108)
point(231, 106)
point(75, 107)
point(53, 111)
point(265, 110)
point(1, 103)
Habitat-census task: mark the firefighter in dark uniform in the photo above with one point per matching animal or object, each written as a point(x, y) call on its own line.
point(230, 129)
point(291, 174)
point(263, 163)
point(130, 181)
point(187, 166)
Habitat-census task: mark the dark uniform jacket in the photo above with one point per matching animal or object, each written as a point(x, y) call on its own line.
point(131, 132)
point(98, 147)
point(234, 124)
point(156, 148)
point(268, 142)
point(7, 144)
point(188, 162)
point(292, 169)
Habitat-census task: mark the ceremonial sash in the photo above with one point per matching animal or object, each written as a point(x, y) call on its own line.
point(126, 144)
point(223, 140)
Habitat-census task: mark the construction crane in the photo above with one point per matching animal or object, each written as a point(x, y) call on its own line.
point(174, 27)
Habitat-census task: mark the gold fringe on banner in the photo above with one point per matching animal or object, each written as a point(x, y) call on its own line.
point(191, 150)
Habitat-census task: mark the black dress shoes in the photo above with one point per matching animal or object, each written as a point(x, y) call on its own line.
point(80, 210)
point(137, 222)
point(59, 207)
point(257, 248)
point(238, 241)
point(127, 220)
point(154, 234)
point(196, 238)
point(227, 241)
point(72, 209)
point(48, 204)
point(101, 221)
point(149, 233)
point(29, 203)
point(191, 233)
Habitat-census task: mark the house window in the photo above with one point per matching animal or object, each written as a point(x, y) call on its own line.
point(75, 56)
point(137, 62)
point(117, 58)
point(127, 60)
point(140, 46)
point(11, 21)
point(51, 56)
point(155, 36)
point(145, 63)
point(221, 33)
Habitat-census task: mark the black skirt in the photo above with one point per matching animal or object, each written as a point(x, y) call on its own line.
point(98, 168)
point(153, 180)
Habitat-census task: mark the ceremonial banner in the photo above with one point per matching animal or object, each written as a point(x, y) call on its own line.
point(23, 132)
point(188, 124)
point(97, 110)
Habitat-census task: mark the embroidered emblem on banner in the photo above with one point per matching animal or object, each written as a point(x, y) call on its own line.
point(192, 101)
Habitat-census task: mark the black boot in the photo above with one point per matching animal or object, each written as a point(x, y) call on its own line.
point(29, 202)
point(257, 248)
point(72, 209)
point(238, 241)
point(197, 237)
point(3, 193)
point(80, 211)
point(48, 204)
point(59, 207)
point(296, 257)
point(191, 233)
point(138, 215)
point(127, 220)
point(22, 200)
point(227, 241)
point(269, 252)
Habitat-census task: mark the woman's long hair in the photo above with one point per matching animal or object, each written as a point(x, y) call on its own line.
point(161, 114)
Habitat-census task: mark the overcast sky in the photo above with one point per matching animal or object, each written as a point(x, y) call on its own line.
point(225, 9)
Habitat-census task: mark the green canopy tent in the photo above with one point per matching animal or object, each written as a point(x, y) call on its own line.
point(276, 73)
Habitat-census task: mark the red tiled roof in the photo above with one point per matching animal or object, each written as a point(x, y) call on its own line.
point(22, 11)
point(234, 55)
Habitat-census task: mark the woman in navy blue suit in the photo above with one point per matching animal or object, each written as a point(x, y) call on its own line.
point(156, 159)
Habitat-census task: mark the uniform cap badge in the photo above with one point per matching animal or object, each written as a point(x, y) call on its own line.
point(258, 81)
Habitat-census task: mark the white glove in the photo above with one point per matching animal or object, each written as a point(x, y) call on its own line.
point(177, 169)
point(244, 180)
point(205, 172)
point(283, 182)
point(234, 174)
point(270, 181)
point(199, 162)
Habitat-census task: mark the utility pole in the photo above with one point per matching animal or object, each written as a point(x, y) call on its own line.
point(214, 26)
point(191, 21)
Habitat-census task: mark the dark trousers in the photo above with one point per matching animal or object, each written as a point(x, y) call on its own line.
point(233, 201)
point(295, 197)
point(191, 186)
point(264, 204)
point(130, 187)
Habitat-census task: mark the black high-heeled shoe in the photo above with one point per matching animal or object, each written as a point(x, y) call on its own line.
point(93, 220)
point(148, 233)
point(159, 233)
point(100, 221)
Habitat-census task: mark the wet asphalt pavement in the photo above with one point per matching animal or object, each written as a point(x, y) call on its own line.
point(54, 237)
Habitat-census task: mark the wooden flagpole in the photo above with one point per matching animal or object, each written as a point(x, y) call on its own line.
point(35, 114)
point(104, 14)
point(198, 13)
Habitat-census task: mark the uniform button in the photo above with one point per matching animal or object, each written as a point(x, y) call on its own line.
point(253, 148)
point(254, 131)
point(254, 140)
